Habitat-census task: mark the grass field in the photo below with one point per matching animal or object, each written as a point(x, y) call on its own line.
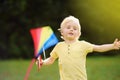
point(98, 68)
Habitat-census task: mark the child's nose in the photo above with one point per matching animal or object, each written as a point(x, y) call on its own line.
point(71, 29)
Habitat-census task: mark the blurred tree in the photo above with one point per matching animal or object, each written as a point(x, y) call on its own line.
point(100, 19)
point(18, 16)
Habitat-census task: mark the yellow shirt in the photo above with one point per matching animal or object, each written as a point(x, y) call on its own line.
point(72, 59)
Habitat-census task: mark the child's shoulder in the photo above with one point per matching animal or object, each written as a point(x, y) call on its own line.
point(61, 42)
point(84, 42)
point(80, 41)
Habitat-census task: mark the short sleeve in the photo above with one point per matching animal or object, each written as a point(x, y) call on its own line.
point(54, 53)
point(89, 47)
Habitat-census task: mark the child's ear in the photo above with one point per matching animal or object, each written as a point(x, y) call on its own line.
point(80, 34)
point(59, 29)
point(61, 32)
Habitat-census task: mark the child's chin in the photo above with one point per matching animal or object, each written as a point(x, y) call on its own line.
point(71, 38)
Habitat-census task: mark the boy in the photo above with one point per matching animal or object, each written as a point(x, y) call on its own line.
point(71, 52)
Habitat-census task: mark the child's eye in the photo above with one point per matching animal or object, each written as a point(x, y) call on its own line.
point(68, 27)
point(75, 28)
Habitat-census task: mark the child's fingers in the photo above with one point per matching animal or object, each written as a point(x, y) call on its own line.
point(116, 40)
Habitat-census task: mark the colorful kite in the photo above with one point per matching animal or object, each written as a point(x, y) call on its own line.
point(43, 38)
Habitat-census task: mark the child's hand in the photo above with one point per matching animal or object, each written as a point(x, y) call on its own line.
point(116, 44)
point(39, 63)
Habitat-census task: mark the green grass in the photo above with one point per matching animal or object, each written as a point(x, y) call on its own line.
point(98, 68)
point(103, 68)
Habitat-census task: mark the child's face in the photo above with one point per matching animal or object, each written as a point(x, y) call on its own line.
point(70, 31)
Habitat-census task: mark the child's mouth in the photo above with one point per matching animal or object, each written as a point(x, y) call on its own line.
point(70, 33)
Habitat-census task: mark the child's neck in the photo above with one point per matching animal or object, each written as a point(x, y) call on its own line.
point(70, 41)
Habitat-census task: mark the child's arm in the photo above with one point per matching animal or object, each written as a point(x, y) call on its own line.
point(48, 61)
point(107, 47)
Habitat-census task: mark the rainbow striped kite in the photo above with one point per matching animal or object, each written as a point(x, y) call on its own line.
point(43, 38)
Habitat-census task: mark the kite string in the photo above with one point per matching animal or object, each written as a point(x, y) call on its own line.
point(44, 53)
point(29, 69)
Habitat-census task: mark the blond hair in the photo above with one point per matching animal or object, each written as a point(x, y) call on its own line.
point(70, 19)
